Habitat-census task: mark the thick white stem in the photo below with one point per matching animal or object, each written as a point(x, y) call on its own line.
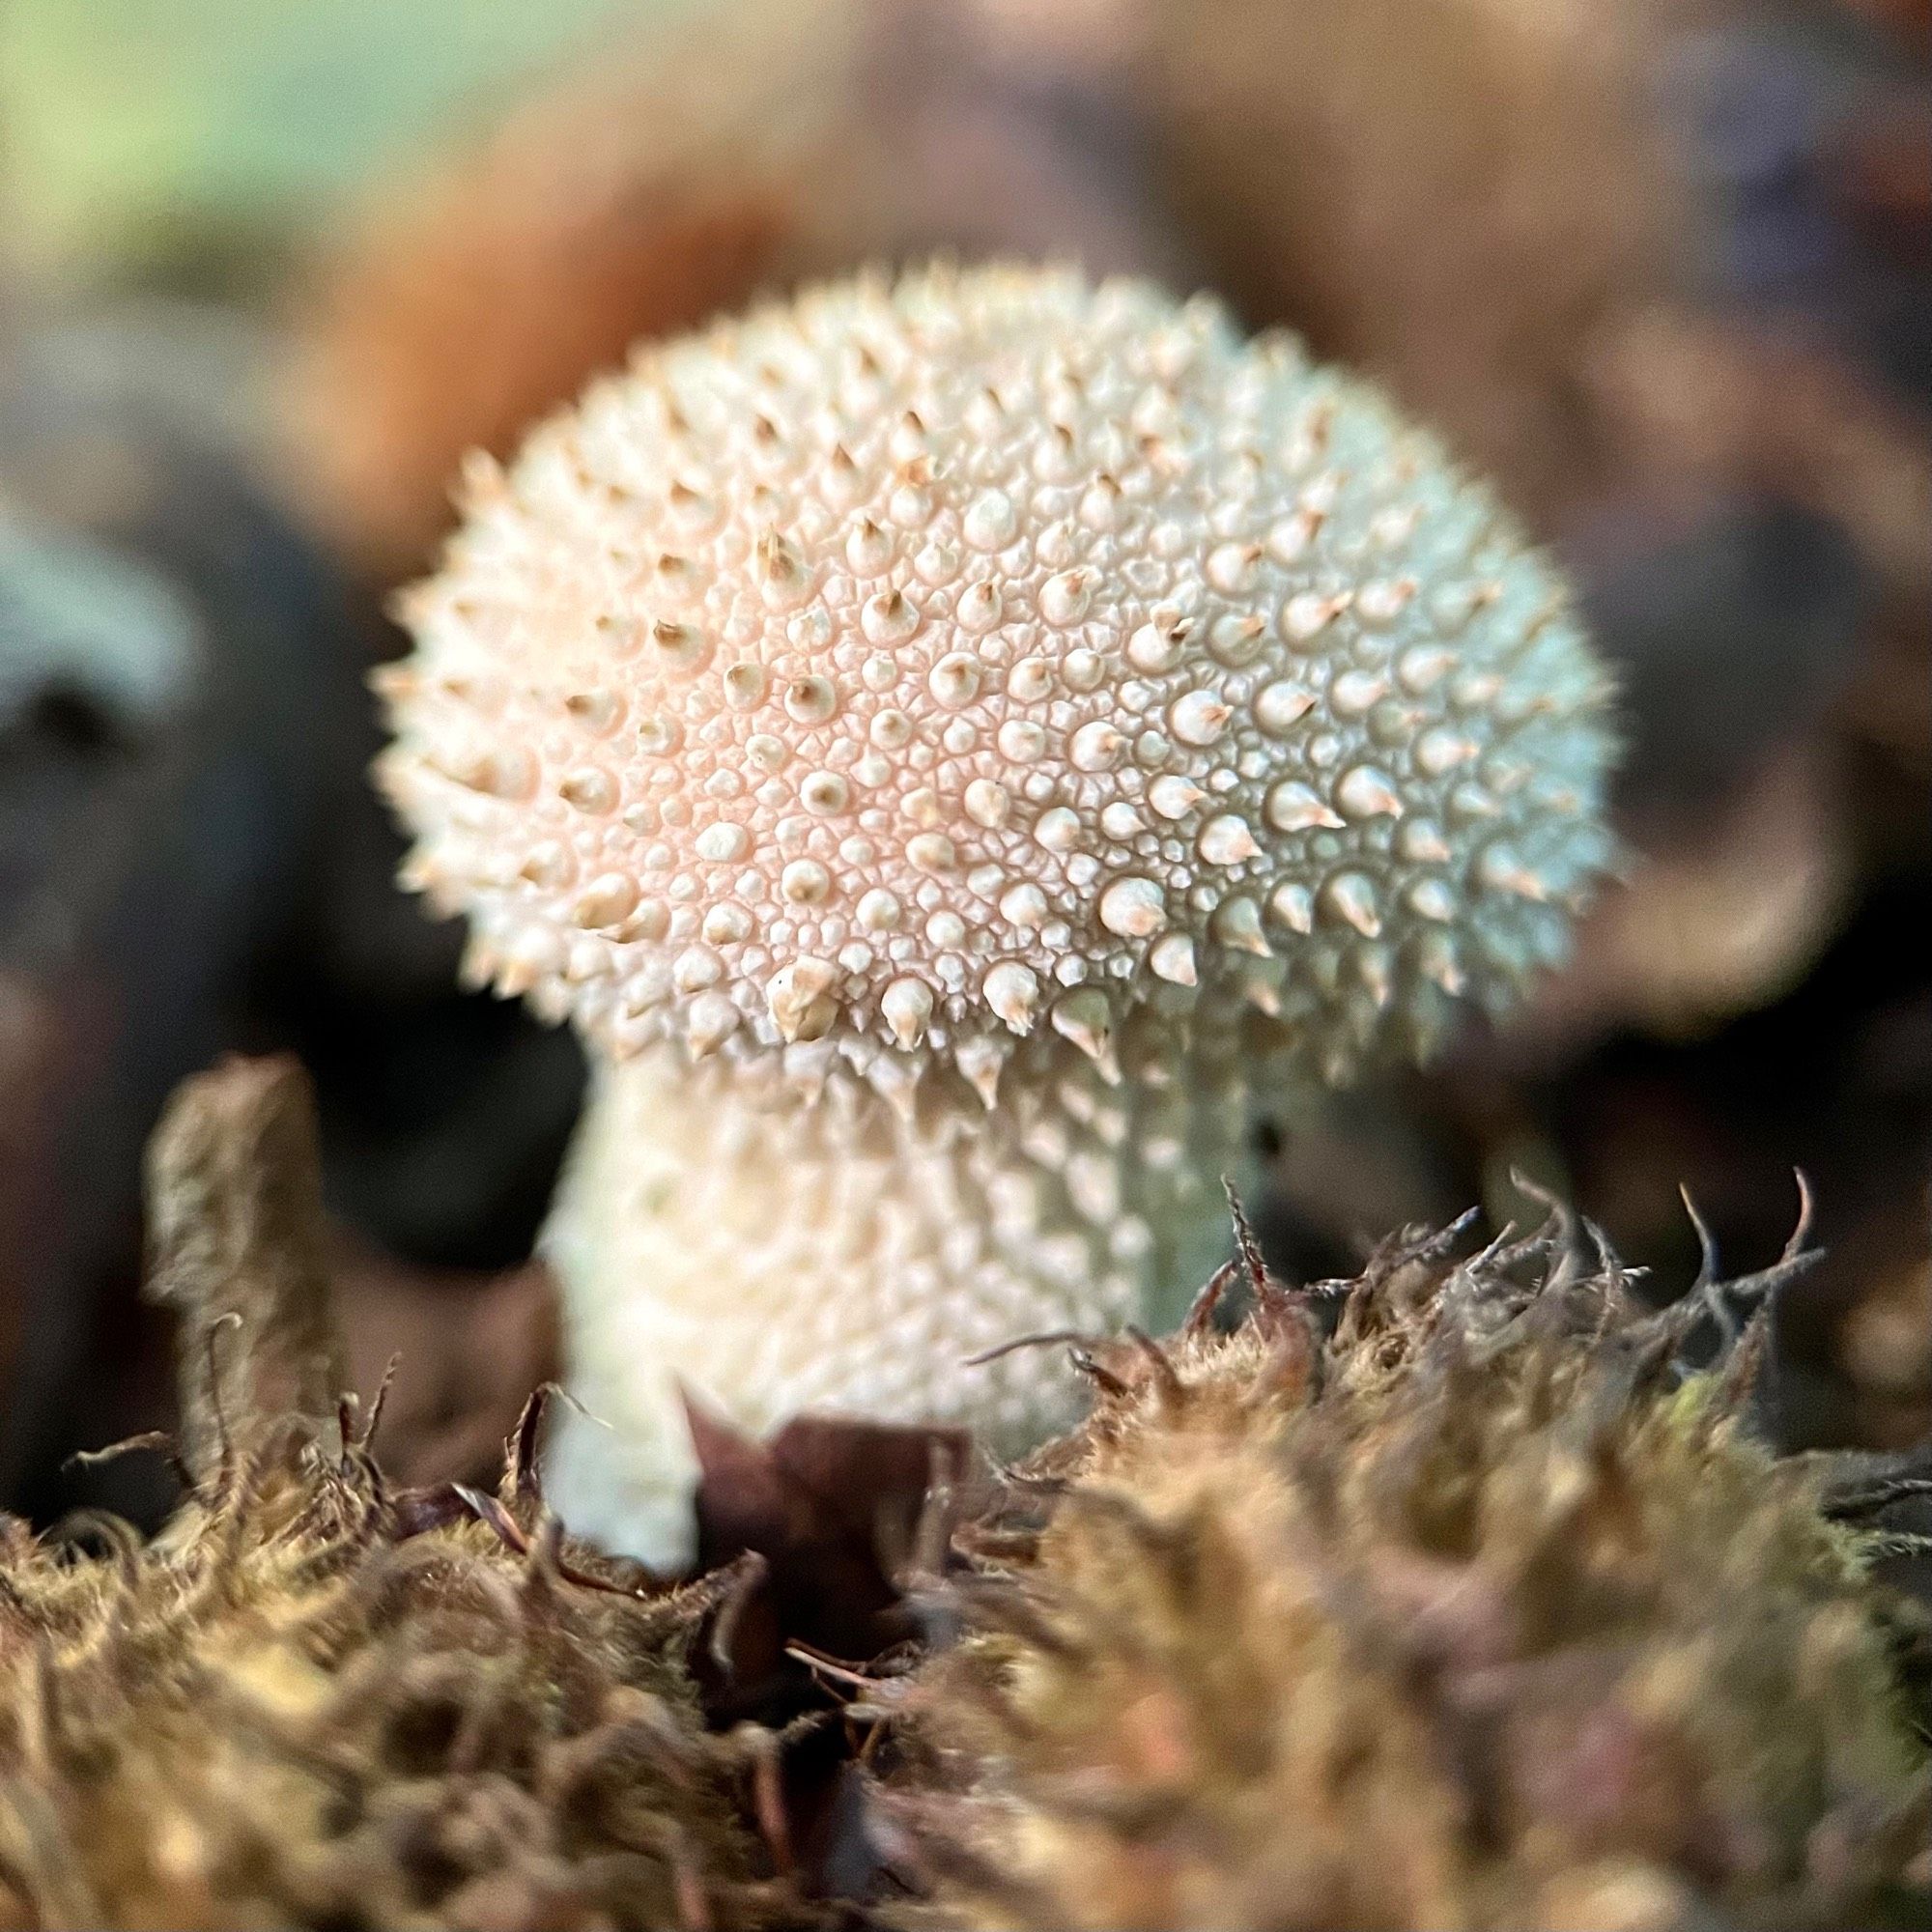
point(777, 1254)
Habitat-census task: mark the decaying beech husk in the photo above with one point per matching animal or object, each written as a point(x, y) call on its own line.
point(1459, 1594)
point(314, 1701)
point(1450, 1596)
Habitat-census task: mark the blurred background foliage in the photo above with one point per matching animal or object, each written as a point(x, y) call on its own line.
point(136, 133)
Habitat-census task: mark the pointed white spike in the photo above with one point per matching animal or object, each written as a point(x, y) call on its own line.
point(1436, 959)
point(1293, 904)
point(1374, 965)
point(1262, 993)
point(898, 1079)
point(1086, 1018)
point(1432, 899)
point(907, 1005)
point(712, 1020)
point(797, 997)
point(1351, 898)
point(1173, 959)
point(980, 1060)
point(1133, 908)
point(807, 1068)
point(1501, 871)
point(1013, 991)
point(1368, 793)
point(1237, 924)
point(1293, 806)
point(480, 960)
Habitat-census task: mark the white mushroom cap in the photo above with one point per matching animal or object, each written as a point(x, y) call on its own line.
point(928, 664)
point(846, 1257)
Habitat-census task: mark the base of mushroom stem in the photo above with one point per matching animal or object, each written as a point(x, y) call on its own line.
point(630, 1486)
point(619, 1466)
point(627, 1499)
point(831, 1255)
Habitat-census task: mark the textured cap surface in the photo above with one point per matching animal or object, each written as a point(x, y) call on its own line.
point(945, 660)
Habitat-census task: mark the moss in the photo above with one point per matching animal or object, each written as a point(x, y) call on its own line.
point(314, 1701)
point(1449, 1596)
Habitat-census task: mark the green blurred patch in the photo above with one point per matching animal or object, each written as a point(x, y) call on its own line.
point(139, 135)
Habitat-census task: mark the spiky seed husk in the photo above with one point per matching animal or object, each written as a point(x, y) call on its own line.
point(314, 1701)
point(1480, 1610)
point(291, 1711)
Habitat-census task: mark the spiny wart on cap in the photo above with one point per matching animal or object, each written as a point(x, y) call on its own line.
point(850, 1257)
point(946, 660)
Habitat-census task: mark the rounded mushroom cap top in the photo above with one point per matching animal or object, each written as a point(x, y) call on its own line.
point(924, 663)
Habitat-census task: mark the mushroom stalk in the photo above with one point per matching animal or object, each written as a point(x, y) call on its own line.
point(768, 1253)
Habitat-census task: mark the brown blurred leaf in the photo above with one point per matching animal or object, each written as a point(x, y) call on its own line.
point(235, 1243)
point(1728, 404)
point(1451, 197)
point(833, 1506)
point(675, 177)
point(1726, 911)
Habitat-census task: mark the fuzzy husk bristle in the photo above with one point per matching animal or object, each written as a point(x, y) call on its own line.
point(1451, 1596)
point(317, 1700)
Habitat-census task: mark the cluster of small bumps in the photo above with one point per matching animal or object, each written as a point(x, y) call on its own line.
point(921, 664)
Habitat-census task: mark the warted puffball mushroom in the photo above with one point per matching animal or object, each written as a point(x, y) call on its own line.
point(903, 688)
